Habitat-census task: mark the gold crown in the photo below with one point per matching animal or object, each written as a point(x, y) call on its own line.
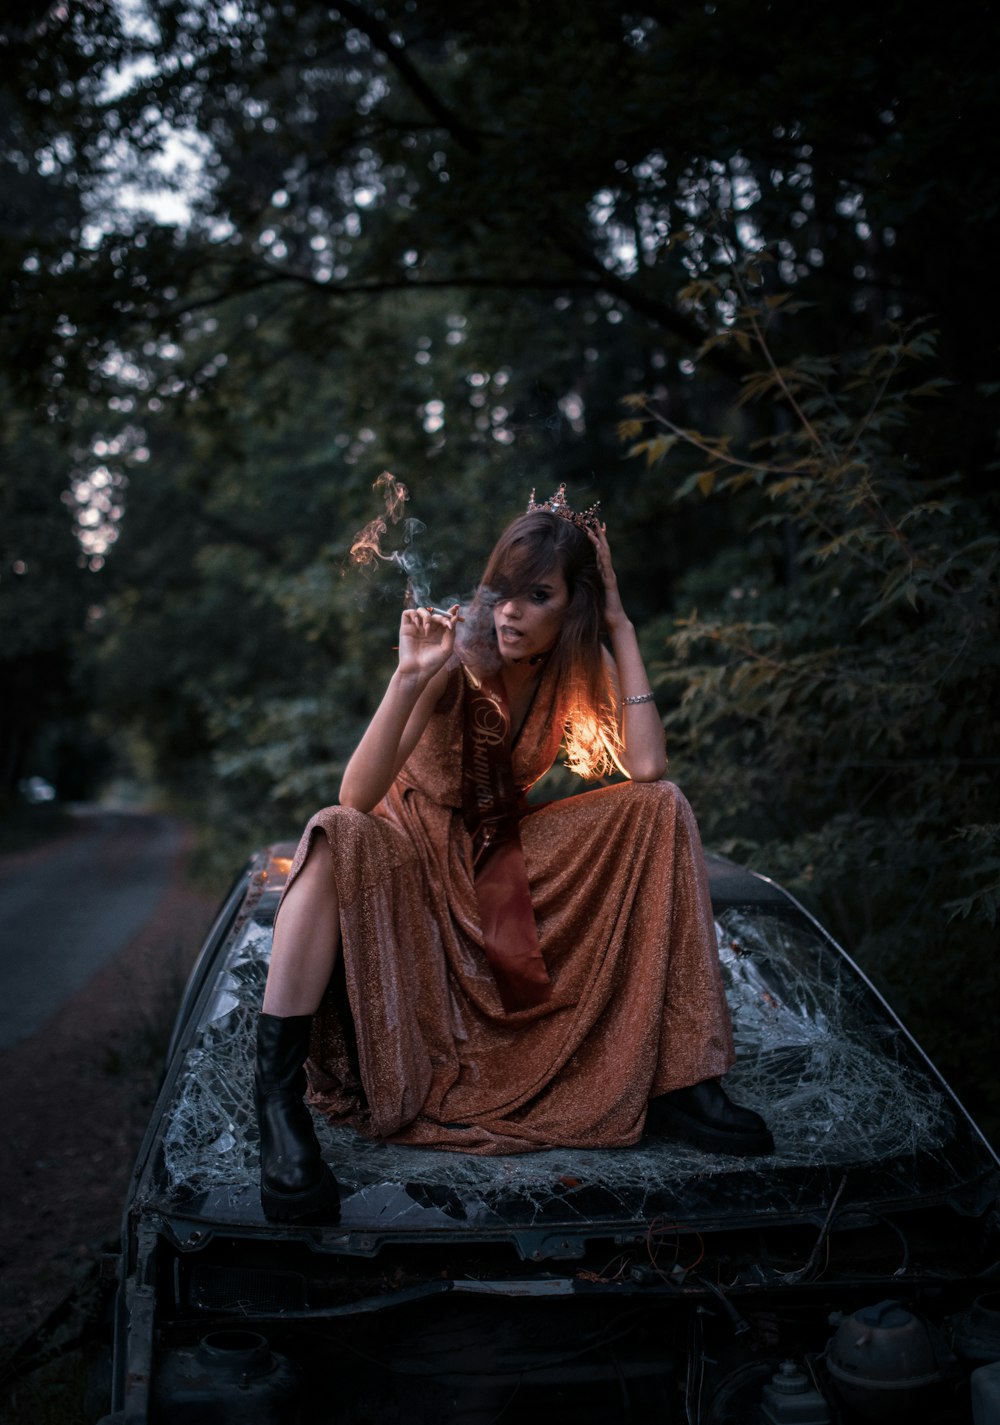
point(557, 504)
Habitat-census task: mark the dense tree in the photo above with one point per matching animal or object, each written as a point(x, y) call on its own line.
point(43, 603)
point(50, 63)
point(349, 152)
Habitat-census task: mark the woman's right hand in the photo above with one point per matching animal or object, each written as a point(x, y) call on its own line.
point(426, 640)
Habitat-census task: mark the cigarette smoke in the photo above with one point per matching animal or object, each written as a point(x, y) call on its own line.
point(475, 635)
point(476, 639)
point(367, 550)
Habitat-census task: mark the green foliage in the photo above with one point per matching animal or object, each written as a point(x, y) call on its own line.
point(983, 873)
point(572, 154)
point(239, 651)
point(832, 684)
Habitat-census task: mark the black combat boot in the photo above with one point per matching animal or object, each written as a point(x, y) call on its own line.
point(706, 1116)
point(294, 1180)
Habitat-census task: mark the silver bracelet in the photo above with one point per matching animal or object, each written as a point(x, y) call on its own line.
point(642, 698)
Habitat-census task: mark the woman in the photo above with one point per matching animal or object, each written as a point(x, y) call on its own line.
point(512, 978)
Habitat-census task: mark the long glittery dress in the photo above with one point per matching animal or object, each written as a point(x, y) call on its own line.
point(426, 1054)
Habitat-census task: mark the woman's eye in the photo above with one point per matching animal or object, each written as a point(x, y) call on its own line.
point(540, 596)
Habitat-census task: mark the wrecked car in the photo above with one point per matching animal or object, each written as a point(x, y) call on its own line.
point(853, 1275)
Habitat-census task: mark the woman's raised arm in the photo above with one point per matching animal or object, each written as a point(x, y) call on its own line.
point(643, 752)
point(426, 642)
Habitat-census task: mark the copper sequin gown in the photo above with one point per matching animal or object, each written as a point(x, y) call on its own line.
point(625, 925)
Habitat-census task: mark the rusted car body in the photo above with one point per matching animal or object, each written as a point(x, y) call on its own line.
point(851, 1276)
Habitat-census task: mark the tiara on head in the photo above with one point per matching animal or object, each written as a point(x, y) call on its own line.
point(557, 504)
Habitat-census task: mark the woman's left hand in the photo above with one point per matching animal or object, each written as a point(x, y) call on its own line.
point(614, 611)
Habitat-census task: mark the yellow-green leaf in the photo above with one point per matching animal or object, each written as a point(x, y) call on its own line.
point(657, 449)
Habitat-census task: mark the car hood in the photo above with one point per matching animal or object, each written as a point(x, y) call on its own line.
point(862, 1123)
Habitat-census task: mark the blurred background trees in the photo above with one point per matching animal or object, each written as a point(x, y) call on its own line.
point(253, 255)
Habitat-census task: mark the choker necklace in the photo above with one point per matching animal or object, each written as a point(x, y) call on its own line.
point(534, 659)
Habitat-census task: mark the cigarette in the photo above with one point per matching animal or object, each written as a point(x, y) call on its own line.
point(445, 613)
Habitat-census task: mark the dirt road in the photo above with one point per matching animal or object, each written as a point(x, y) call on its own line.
point(70, 907)
point(76, 1092)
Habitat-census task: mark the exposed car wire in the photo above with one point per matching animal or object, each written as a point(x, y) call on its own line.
point(804, 1273)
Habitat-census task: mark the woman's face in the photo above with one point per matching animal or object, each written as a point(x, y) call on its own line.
point(528, 623)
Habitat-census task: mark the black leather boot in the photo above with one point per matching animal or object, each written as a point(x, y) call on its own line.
point(294, 1180)
point(704, 1114)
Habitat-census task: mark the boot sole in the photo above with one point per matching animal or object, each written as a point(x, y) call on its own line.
point(322, 1199)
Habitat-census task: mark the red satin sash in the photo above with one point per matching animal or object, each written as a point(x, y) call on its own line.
point(490, 810)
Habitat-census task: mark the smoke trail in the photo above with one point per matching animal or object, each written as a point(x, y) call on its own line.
point(367, 548)
point(476, 638)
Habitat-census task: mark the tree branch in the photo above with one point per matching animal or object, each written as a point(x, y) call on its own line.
point(375, 286)
point(664, 314)
point(380, 37)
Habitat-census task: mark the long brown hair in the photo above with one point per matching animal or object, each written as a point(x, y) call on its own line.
point(531, 547)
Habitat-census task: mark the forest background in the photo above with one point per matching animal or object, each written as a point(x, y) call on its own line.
point(728, 267)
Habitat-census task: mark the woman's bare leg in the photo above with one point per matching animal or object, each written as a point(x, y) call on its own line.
point(306, 938)
point(294, 1180)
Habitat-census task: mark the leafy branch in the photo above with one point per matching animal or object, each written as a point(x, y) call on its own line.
point(834, 730)
point(832, 472)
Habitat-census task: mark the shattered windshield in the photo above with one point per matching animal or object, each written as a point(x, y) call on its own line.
point(837, 1080)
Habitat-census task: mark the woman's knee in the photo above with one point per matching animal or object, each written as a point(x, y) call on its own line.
point(318, 853)
point(657, 795)
point(319, 860)
point(664, 804)
point(314, 877)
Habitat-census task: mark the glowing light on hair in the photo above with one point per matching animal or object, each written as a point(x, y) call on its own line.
point(592, 741)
